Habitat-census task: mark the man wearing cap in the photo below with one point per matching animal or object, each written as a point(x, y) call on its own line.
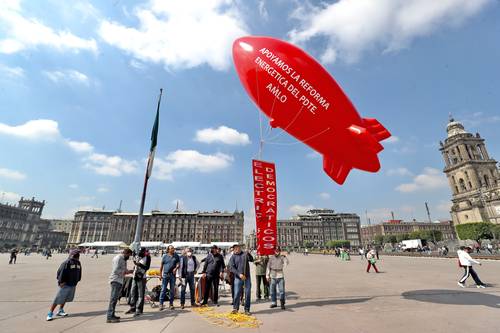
point(213, 271)
point(68, 276)
point(240, 267)
point(275, 273)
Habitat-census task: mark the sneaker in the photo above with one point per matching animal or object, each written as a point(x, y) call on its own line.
point(283, 306)
point(61, 313)
point(162, 307)
point(272, 306)
point(461, 284)
point(182, 306)
point(137, 314)
point(482, 286)
point(130, 311)
point(112, 320)
point(234, 311)
point(171, 307)
point(115, 317)
point(248, 313)
point(50, 316)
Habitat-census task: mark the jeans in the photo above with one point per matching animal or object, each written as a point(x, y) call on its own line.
point(190, 282)
point(238, 284)
point(116, 290)
point(170, 280)
point(280, 283)
point(137, 295)
point(261, 279)
point(211, 282)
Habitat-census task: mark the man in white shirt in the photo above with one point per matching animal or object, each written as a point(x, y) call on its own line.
point(466, 261)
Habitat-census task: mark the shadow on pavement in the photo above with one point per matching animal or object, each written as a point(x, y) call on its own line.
point(457, 297)
point(324, 302)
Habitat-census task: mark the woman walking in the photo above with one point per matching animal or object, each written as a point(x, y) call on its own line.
point(371, 255)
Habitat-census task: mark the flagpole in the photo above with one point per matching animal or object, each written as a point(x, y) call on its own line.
point(140, 218)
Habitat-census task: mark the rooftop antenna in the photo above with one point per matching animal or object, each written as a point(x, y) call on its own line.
point(236, 205)
point(450, 117)
point(392, 215)
point(120, 206)
point(366, 215)
point(156, 207)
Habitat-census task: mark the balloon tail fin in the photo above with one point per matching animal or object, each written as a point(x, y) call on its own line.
point(376, 129)
point(338, 171)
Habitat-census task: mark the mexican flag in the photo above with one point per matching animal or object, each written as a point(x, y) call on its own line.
point(154, 140)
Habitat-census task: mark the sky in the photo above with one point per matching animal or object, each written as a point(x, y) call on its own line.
point(79, 83)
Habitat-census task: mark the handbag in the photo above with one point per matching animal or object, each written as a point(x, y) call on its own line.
point(373, 261)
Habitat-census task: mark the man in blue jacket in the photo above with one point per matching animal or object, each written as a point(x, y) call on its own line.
point(68, 276)
point(240, 267)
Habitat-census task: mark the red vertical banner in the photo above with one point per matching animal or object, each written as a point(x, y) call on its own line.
point(266, 205)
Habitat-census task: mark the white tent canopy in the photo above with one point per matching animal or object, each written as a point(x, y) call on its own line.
point(224, 244)
point(104, 244)
point(184, 244)
point(152, 244)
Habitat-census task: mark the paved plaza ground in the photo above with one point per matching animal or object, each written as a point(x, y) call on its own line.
point(324, 295)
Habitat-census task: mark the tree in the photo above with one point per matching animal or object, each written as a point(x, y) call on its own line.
point(495, 230)
point(475, 231)
point(308, 244)
point(416, 234)
point(378, 239)
point(402, 237)
point(338, 243)
point(390, 239)
point(431, 235)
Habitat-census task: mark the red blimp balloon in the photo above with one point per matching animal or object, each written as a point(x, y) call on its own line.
point(302, 98)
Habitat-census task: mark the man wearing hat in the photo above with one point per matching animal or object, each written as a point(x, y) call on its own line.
point(68, 276)
point(213, 270)
point(240, 267)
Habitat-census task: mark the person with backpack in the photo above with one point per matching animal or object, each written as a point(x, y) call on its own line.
point(188, 268)
point(465, 261)
point(68, 276)
point(371, 256)
point(142, 264)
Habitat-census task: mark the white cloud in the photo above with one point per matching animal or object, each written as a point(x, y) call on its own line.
point(392, 139)
point(377, 215)
point(399, 172)
point(73, 186)
point(109, 165)
point(80, 146)
point(263, 10)
point(180, 33)
point(33, 129)
point(67, 76)
point(444, 206)
point(20, 33)
point(11, 72)
point(300, 209)
point(103, 189)
point(325, 195)
point(222, 134)
point(189, 160)
point(429, 179)
point(9, 197)
point(352, 27)
point(11, 174)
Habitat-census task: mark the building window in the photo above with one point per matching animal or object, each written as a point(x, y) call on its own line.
point(462, 184)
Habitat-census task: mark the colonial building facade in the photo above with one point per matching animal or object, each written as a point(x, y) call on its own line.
point(318, 227)
point(473, 176)
point(168, 227)
point(21, 225)
point(398, 227)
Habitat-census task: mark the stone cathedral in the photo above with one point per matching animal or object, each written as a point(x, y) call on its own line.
point(473, 175)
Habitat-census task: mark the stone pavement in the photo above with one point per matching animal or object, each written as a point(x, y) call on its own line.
point(324, 295)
